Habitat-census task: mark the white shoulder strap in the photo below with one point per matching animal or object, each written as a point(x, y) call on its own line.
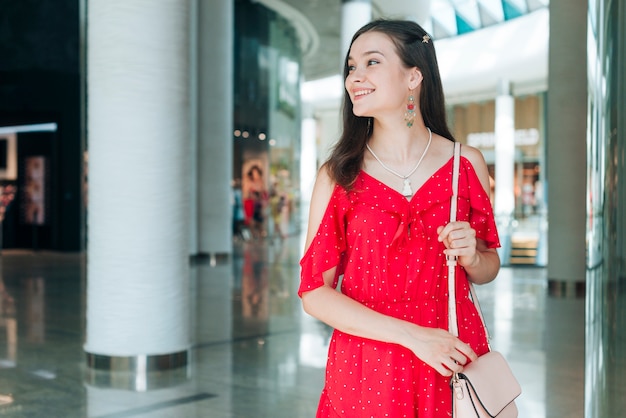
point(455, 181)
point(451, 261)
point(452, 320)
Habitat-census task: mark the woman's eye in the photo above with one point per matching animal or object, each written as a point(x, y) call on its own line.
point(372, 62)
point(351, 67)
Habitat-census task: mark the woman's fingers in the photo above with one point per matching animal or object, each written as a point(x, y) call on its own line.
point(455, 233)
point(466, 351)
point(457, 359)
point(444, 352)
point(450, 364)
point(460, 241)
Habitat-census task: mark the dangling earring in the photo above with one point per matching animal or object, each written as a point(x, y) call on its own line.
point(369, 126)
point(409, 115)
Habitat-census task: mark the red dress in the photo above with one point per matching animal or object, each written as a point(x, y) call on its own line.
point(386, 247)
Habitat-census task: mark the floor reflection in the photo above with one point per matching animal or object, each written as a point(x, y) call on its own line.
point(255, 353)
point(8, 321)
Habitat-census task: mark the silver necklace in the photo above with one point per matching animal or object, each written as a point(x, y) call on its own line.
point(406, 190)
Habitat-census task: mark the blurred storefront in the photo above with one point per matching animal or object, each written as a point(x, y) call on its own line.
point(267, 117)
point(474, 125)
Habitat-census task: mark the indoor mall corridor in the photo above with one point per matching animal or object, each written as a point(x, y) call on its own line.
point(255, 353)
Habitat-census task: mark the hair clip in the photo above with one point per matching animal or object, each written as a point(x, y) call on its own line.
point(425, 39)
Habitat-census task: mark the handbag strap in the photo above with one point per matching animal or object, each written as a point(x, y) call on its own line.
point(452, 262)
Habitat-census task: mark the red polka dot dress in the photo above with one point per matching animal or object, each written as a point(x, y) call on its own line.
point(386, 248)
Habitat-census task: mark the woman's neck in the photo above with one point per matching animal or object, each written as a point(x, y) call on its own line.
point(398, 141)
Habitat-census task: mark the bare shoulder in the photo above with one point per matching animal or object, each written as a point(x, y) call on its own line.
point(322, 192)
point(473, 155)
point(476, 158)
point(324, 186)
point(443, 148)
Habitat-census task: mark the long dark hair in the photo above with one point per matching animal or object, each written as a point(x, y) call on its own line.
point(346, 158)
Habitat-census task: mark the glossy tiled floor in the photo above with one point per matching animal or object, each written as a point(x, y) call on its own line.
point(255, 353)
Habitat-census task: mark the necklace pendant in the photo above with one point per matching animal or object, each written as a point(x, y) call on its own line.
point(406, 190)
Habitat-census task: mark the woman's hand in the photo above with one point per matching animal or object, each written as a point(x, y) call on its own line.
point(439, 349)
point(460, 241)
point(480, 263)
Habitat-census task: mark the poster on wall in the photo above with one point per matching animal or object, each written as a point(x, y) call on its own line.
point(255, 193)
point(8, 156)
point(34, 196)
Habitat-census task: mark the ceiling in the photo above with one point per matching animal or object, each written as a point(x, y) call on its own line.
point(318, 22)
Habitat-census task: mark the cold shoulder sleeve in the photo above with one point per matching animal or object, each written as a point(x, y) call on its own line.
point(328, 245)
point(476, 199)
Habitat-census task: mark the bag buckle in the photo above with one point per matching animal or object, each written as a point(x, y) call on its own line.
point(457, 387)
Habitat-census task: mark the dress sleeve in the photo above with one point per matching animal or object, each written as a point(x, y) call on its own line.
point(328, 245)
point(481, 216)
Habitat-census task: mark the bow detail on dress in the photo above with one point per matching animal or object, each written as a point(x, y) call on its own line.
point(410, 226)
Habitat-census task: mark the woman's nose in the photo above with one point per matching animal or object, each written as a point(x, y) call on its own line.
point(356, 75)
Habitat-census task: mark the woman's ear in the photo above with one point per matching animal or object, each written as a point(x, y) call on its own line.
point(415, 78)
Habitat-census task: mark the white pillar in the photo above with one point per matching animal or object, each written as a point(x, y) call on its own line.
point(566, 145)
point(505, 151)
point(308, 158)
point(138, 119)
point(566, 163)
point(192, 184)
point(505, 167)
point(215, 126)
point(354, 14)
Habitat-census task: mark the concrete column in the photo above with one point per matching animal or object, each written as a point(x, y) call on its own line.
point(505, 167)
point(354, 14)
point(215, 126)
point(566, 145)
point(566, 116)
point(138, 120)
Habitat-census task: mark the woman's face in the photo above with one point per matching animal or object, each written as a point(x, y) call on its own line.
point(378, 82)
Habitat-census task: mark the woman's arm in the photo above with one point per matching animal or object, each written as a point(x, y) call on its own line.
point(480, 262)
point(437, 347)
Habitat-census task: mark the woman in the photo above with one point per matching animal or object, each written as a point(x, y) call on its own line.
point(379, 218)
point(256, 201)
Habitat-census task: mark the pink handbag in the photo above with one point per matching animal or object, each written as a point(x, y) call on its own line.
point(487, 387)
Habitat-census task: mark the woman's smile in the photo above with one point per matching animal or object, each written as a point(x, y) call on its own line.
point(361, 92)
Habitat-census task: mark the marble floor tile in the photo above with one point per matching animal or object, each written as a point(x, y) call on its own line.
point(255, 352)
